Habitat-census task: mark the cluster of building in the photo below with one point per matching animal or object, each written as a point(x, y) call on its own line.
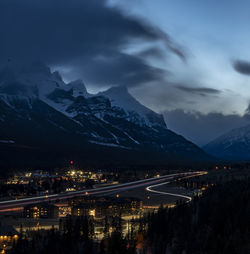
point(82, 176)
point(25, 184)
point(28, 177)
point(97, 207)
point(108, 207)
point(72, 174)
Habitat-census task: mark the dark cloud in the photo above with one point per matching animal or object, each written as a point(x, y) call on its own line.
point(203, 91)
point(242, 67)
point(87, 37)
point(161, 96)
point(171, 45)
point(203, 128)
point(117, 68)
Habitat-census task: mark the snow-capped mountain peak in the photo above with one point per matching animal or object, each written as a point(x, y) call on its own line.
point(57, 76)
point(233, 145)
point(120, 97)
point(35, 77)
point(78, 88)
point(37, 80)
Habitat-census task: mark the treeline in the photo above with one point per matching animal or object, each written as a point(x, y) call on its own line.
point(76, 236)
point(217, 222)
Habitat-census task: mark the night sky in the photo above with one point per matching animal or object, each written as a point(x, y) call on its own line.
point(187, 59)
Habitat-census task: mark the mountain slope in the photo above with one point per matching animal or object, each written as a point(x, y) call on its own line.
point(120, 97)
point(234, 145)
point(41, 112)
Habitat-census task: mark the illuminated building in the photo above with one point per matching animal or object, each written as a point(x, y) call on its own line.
point(43, 210)
point(64, 211)
point(8, 236)
point(101, 207)
point(83, 210)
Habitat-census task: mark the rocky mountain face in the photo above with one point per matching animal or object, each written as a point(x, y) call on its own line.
point(44, 117)
point(233, 146)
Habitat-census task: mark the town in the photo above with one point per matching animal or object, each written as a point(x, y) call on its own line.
point(105, 211)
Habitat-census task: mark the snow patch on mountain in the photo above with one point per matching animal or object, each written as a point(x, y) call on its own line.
point(7, 141)
point(240, 135)
point(78, 88)
point(120, 97)
point(135, 141)
point(234, 145)
point(15, 101)
point(108, 144)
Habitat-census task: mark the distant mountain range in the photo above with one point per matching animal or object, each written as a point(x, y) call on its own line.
point(44, 119)
point(232, 146)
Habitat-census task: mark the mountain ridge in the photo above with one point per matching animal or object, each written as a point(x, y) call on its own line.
point(40, 109)
point(233, 145)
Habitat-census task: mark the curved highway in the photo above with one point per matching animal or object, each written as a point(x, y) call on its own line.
point(153, 182)
point(188, 198)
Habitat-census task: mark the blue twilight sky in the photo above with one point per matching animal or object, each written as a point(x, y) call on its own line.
point(213, 34)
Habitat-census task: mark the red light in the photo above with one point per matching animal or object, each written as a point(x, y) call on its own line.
point(71, 162)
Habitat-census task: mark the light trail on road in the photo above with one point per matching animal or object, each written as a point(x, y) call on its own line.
point(149, 188)
point(86, 192)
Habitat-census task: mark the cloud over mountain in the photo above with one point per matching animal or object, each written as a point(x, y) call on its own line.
point(86, 39)
point(202, 128)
